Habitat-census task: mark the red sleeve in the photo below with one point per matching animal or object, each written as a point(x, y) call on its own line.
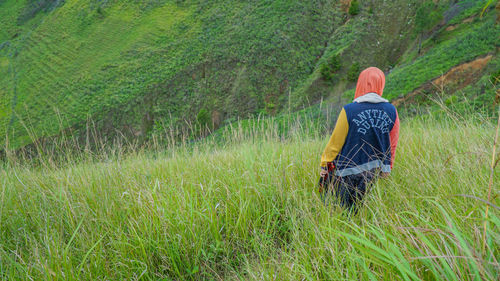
point(394, 135)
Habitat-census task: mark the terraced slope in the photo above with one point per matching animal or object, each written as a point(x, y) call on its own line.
point(76, 63)
point(133, 66)
point(110, 60)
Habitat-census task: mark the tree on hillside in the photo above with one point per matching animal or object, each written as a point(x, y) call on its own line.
point(330, 67)
point(427, 16)
point(353, 72)
point(354, 8)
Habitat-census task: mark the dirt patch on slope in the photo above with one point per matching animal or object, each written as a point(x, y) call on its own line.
point(345, 4)
point(458, 73)
point(455, 79)
point(467, 20)
point(451, 28)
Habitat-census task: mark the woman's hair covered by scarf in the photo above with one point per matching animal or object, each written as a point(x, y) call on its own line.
point(371, 80)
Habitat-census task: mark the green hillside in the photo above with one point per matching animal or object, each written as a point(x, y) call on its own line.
point(181, 139)
point(116, 60)
point(129, 68)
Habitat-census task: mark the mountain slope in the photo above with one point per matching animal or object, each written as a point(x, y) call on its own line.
point(132, 67)
point(88, 59)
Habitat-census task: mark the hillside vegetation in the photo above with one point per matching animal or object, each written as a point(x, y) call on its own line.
point(181, 139)
point(126, 62)
point(138, 68)
point(249, 210)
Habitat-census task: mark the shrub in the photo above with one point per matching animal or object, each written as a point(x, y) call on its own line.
point(353, 72)
point(203, 117)
point(354, 8)
point(330, 68)
point(427, 16)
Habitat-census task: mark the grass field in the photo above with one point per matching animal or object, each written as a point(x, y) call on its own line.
point(249, 210)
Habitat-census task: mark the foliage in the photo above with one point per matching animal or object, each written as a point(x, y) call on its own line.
point(486, 6)
point(353, 72)
point(354, 8)
point(378, 39)
point(248, 209)
point(330, 68)
point(469, 9)
point(495, 77)
point(134, 67)
point(203, 117)
point(116, 62)
point(451, 100)
point(467, 44)
point(33, 7)
point(427, 16)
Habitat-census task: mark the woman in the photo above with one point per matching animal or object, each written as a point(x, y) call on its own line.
point(363, 143)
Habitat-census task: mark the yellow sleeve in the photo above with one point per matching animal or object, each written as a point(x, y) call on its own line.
point(337, 139)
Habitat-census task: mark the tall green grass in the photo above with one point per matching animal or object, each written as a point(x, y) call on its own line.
point(248, 209)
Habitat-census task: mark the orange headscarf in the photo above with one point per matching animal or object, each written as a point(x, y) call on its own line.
point(371, 80)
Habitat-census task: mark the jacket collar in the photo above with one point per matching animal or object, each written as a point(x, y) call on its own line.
point(371, 98)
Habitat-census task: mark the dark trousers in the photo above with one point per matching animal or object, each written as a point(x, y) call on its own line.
point(349, 190)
